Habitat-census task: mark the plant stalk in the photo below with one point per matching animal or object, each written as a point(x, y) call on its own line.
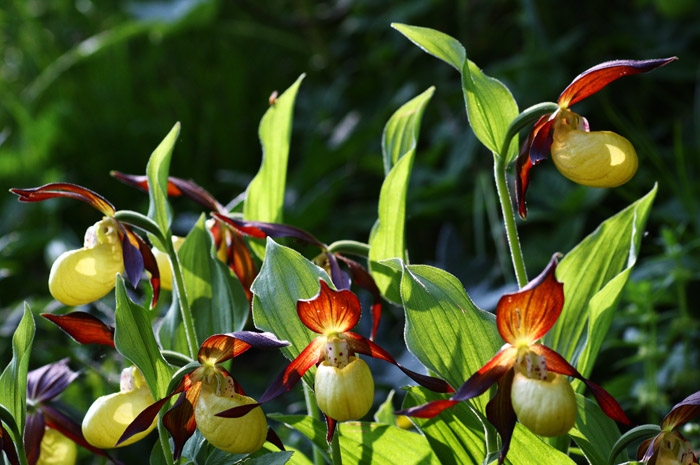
point(349, 247)
point(164, 443)
point(185, 310)
point(312, 410)
point(516, 253)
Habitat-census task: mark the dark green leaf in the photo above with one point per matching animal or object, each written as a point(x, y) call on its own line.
point(399, 148)
point(13, 381)
point(638, 434)
point(134, 339)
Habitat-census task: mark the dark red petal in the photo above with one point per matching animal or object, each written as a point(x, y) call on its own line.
point(33, 434)
point(592, 80)
point(47, 382)
point(557, 364)
point(180, 421)
point(240, 260)
point(330, 311)
point(83, 327)
point(479, 382)
point(151, 265)
point(527, 315)
point(308, 357)
point(262, 230)
point(65, 189)
point(363, 279)
point(332, 425)
point(195, 192)
point(428, 410)
point(133, 261)
point(221, 347)
point(274, 439)
point(141, 182)
point(8, 446)
point(500, 413)
point(362, 345)
point(69, 428)
point(682, 412)
point(533, 151)
point(146, 417)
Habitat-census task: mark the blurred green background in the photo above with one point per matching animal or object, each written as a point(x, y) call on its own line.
point(87, 87)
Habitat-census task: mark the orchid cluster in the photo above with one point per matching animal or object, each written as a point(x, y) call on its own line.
point(193, 391)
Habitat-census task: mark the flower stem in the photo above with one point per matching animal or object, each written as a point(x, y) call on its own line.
point(335, 447)
point(164, 443)
point(349, 247)
point(185, 310)
point(312, 410)
point(516, 253)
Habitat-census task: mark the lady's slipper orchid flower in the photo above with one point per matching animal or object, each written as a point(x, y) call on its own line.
point(229, 243)
point(85, 275)
point(208, 388)
point(590, 158)
point(669, 447)
point(344, 387)
point(50, 435)
point(531, 387)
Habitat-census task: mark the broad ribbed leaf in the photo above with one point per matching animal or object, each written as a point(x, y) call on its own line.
point(490, 109)
point(217, 299)
point(134, 339)
point(594, 273)
point(595, 433)
point(265, 194)
point(362, 443)
point(456, 434)
point(399, 149)
point(157, 171)
point(444, 329)
point(284, 278)
point(436, 43)
point(13, 381)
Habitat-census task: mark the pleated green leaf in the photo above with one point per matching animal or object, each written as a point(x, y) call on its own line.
point(595, 433)
point(157, 170)
point(363, 443)
point(265, 194)
point(594, 273)
point(13, 381)
point(284, 278)
point(134, 339)
point(399, 148)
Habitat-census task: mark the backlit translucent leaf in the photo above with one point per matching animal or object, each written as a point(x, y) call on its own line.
point(157, 171)
point(595, 433)
point(13, 381)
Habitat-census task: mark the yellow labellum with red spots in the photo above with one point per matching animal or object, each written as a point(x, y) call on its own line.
point(235, 435)
point(344, 393)
point(108, 417)
point(546, 407)
point(56, 449)
point(594, 159)
point(85, 275)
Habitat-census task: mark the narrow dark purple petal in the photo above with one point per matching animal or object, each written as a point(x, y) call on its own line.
point(47, 382)
point(682, 412)
point(194, 191)
point(262, 230)
point(8, 446)
point(340, 278)
point(150, 264)
point(429, 410)
point(83, 327)
point(500, 413)
point(133, 261)
point(180, 421)
point(33, 434)
point(274, 439)
point(496, 368)
point(221, 347)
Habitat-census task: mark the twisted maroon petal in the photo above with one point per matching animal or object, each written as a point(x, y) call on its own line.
point(65, 189)
point(83, 327)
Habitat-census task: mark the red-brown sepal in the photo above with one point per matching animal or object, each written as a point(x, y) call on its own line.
point(527, 315)
point(330, 311)
point(65, 189)
point(33, 434)
point(479, 382)
point(533, 151)
point(261, 230)
point(682, 412)
point(8, 446)
point(592, 80)
point(428, 410)
point(180, 421)
point(83, 327)
point(272, 438)
point(499, 411)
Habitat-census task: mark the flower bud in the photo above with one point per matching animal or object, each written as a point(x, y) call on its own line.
point(108, 417)
point(56, 449)
point(85, 275)
point(594, 159)
point(166, 271)
point(234, 435)
point(546, 407)
point(344, 393)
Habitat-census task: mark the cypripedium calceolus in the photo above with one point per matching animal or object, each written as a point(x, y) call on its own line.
point(590, 158)
point(343, 384)
point(229, 243)
point(50, 436)
point(110, 247)
point(531, 383)
point(669, 447)
point(207, 389)
point(109, 415)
